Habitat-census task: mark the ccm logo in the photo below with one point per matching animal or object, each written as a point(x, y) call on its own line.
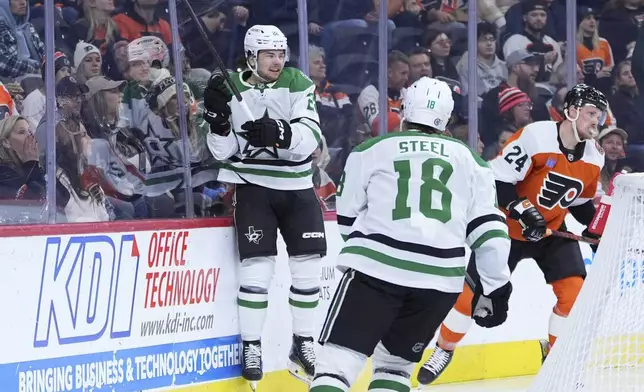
point(313, 235)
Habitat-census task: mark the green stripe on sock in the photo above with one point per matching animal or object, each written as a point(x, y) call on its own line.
point(252, 304)
point(389, 386)
point(325, 388)
point(302, 304)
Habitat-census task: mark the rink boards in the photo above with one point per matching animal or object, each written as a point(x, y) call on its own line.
point(152, 305)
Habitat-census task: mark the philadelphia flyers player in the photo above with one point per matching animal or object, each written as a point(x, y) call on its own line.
point(544, 171)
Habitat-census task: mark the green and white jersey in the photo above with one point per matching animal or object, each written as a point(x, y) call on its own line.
point(409, 203)
point(291, 97)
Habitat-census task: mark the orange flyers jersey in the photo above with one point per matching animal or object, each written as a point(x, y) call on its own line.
point(594, 60)
point(533, 160)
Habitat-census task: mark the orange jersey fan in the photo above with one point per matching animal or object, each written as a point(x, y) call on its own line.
point(533, 159)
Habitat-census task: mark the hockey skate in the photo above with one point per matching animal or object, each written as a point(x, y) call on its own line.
point(252, 363)
point(434, 366)
point(302, 358)
point(545, 349)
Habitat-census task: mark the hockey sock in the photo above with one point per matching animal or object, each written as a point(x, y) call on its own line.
point(252, 304)
point(566, 291)
point(327, 382)
point(303, 309)
point(457, 322)
point(384, 380)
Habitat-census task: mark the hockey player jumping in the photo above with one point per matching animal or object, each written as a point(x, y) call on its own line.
point(408, 204)
point(269, 158)
point(545, 170)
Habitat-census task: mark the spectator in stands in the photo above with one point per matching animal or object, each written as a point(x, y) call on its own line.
point(80, 192)
point(624, 97)
point(17, 95)
point(7, 105)
point(594, 54)
point(21, 49)
point(142, 18)
point(493, 11)
point(87, 61)
point(555, 23)
point(491, 70)
point(214, 22)
point(34, 104)
point(397, 76)
point(134, 108)
point(613, 141)
point(440, 46)
point(515, 107)
point(97, 27)
point(449, 17)
point(419, 64)
point(21, 176)
point(112, 147)
point(462, 133)
point(334, 106)
point(619, 21)
point(494, 149)
point(534, 40)
point(555, 105)
point(523, 68)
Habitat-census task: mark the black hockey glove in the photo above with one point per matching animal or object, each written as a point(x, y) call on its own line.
point(216, 111)
point(267, 132)
point(588, 234)
point(533, 223)
point(491, 310)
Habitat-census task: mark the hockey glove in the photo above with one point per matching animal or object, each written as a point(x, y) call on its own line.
point(491, 310)
point(267, 132)
point(533, 223)
point(216, 111)
point(588, 234)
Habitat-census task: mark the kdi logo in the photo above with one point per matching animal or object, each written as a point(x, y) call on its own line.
point(83, 283)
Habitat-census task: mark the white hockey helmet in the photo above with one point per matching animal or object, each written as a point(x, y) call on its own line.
point(428, 102)
point(156, 49)
point(263, 37)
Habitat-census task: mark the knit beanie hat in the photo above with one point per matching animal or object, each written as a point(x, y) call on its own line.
point(511, 97)
point(84, 49)
point(60, 61)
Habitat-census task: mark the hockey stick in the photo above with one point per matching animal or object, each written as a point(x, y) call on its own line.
point(571, 236)
point(219, 63)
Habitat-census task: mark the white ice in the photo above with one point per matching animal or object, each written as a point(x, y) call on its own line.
point(514, 384)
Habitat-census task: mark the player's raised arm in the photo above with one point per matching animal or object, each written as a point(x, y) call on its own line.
point(351, 196)
point(221, 141)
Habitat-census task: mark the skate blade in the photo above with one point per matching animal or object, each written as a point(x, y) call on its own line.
point(252, 385)
point(298, 372)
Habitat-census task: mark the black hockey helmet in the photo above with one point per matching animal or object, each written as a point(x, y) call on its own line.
point(583, 94)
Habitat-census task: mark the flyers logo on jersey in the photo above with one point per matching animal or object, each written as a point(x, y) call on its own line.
point(558, 189)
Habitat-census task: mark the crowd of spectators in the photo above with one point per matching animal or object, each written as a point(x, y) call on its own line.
point(120, 150)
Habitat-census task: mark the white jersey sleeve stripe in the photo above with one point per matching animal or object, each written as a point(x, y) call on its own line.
point(426, 250)
point(406, 265)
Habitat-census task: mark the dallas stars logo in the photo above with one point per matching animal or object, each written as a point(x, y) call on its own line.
point(254, 235)
point(251, 151)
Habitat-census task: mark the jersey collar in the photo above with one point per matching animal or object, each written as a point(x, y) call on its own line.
point(571, 155)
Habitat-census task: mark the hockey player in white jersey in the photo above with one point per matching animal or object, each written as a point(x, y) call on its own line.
point(269, 158)
point(408, 204)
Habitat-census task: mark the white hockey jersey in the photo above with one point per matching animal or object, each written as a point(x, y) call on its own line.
point(408, 203)
point(291, 98)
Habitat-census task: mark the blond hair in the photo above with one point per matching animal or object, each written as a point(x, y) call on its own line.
point(93, 23)
point(7, 155)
